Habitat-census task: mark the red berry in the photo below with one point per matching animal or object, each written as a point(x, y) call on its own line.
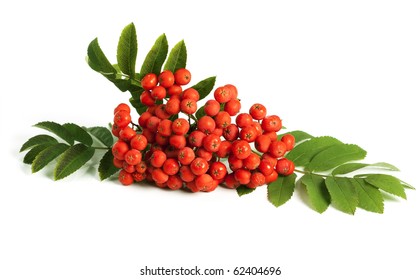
point(222, 119)
point(233, 91)
point(248, 133)
point(157, 159)
point(199, 166)
point(159, 176)
point(117, 163)
point(173, 106)
point(161, 140)
point(122, 119)
point(186, 174)
point(258, 111)
point(186, 156)
point(166, 79)
point(285, 167)
point(243, 120)
point(188, 106)
point(122, 107)
point(271, 123)
point(125, 178)
point(217, 170)
point(165, 128)
point(203, 153)
point(180, 126)
point(224, 149)
point(234, 162)
point(191, 93)
point(177, 141)
point(143, 119)
point(222, 95)
point(211, 143)
point(243, 176)
point(171, 166)
point(115, 130)
point(277, 149)
point(158, 92)
point(257, 179)
point(153, 123)
point(149, 81)
point(232, 107)
point(289, 140)
point(241, 149)
point(271, 178)
point(266, 167)
point(203, 182)
point(128, 167)
point(146, 98)
point(231, 182)
point(174, 182)
point(231, 132)
point(211, 108)
point(175, 90)
point(262, 143)
point(206, 124)
point(182, 76)
point(138, 177)
point(252, 161)
point(196, 138)
point(119, 149)
point(161, 113)
point(141, 167)
point(133, 157)
point(127, 133)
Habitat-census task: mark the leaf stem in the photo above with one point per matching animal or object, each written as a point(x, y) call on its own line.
point(308, 172)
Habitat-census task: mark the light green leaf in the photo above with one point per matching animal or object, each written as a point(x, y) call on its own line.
point(74, 158)
point(387, 183)
point(343, 193)
point(155, 58)
point(103, 135)
point(243, 190)
point(351, 167)
point(317, 192)
point(79, 134)
point(127, 50)
point(303, 153)
point(58, 130)
point(106, 166)
point(299, 135)
point(37, 140)
point(177, 57)
point(47, 155)
point(369, 197)
point(335, 155)
point(205, 86)
point(98, 61)
point(31, 155)
point(281, 190)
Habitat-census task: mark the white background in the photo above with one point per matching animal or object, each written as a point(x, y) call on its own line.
point(344, 68)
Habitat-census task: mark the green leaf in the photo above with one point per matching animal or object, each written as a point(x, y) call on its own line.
point(103, 135)
point(140, 107)
point(334, 156)
point(106, 166)
point(58, 130)
point(155, 58)
point(37, 140)
point(281, 190)
point(317, 192)
point(351, 167)
point(387, 183)
point(299, 135)
point(303, 153)
point(200, 113)
point(369, 197)
point(98, 61)
point(47, 155)
point(74, 158)
point(205, 86)
point(127, 50)
point(31, 155)
point(343, 193)
point(79, 134)
point(177, 57)
point(243, 190)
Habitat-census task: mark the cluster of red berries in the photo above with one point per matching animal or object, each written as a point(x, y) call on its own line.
point(174, 152)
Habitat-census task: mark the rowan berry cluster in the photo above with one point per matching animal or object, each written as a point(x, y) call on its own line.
point(198, 153)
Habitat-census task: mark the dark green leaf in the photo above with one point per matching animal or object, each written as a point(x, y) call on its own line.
point(200, 113)
point(177, 57)
point(299, 135)
point(155, 58)
point(98, 61)
point(303, 153)
point(127, 50)
point(106, 166)
point(369, 197)
point(387, 183)
point(317, 192)
point(102, 134)
point(281, 190)
point(37, 140)
point(243, 190)
point(58, 130)
point(205, 86)
point(47, 155)
point(31, 155)
point(335, 155)
point(351, 167)
point(79, 134)
point(343, 193)
point(74, 158)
